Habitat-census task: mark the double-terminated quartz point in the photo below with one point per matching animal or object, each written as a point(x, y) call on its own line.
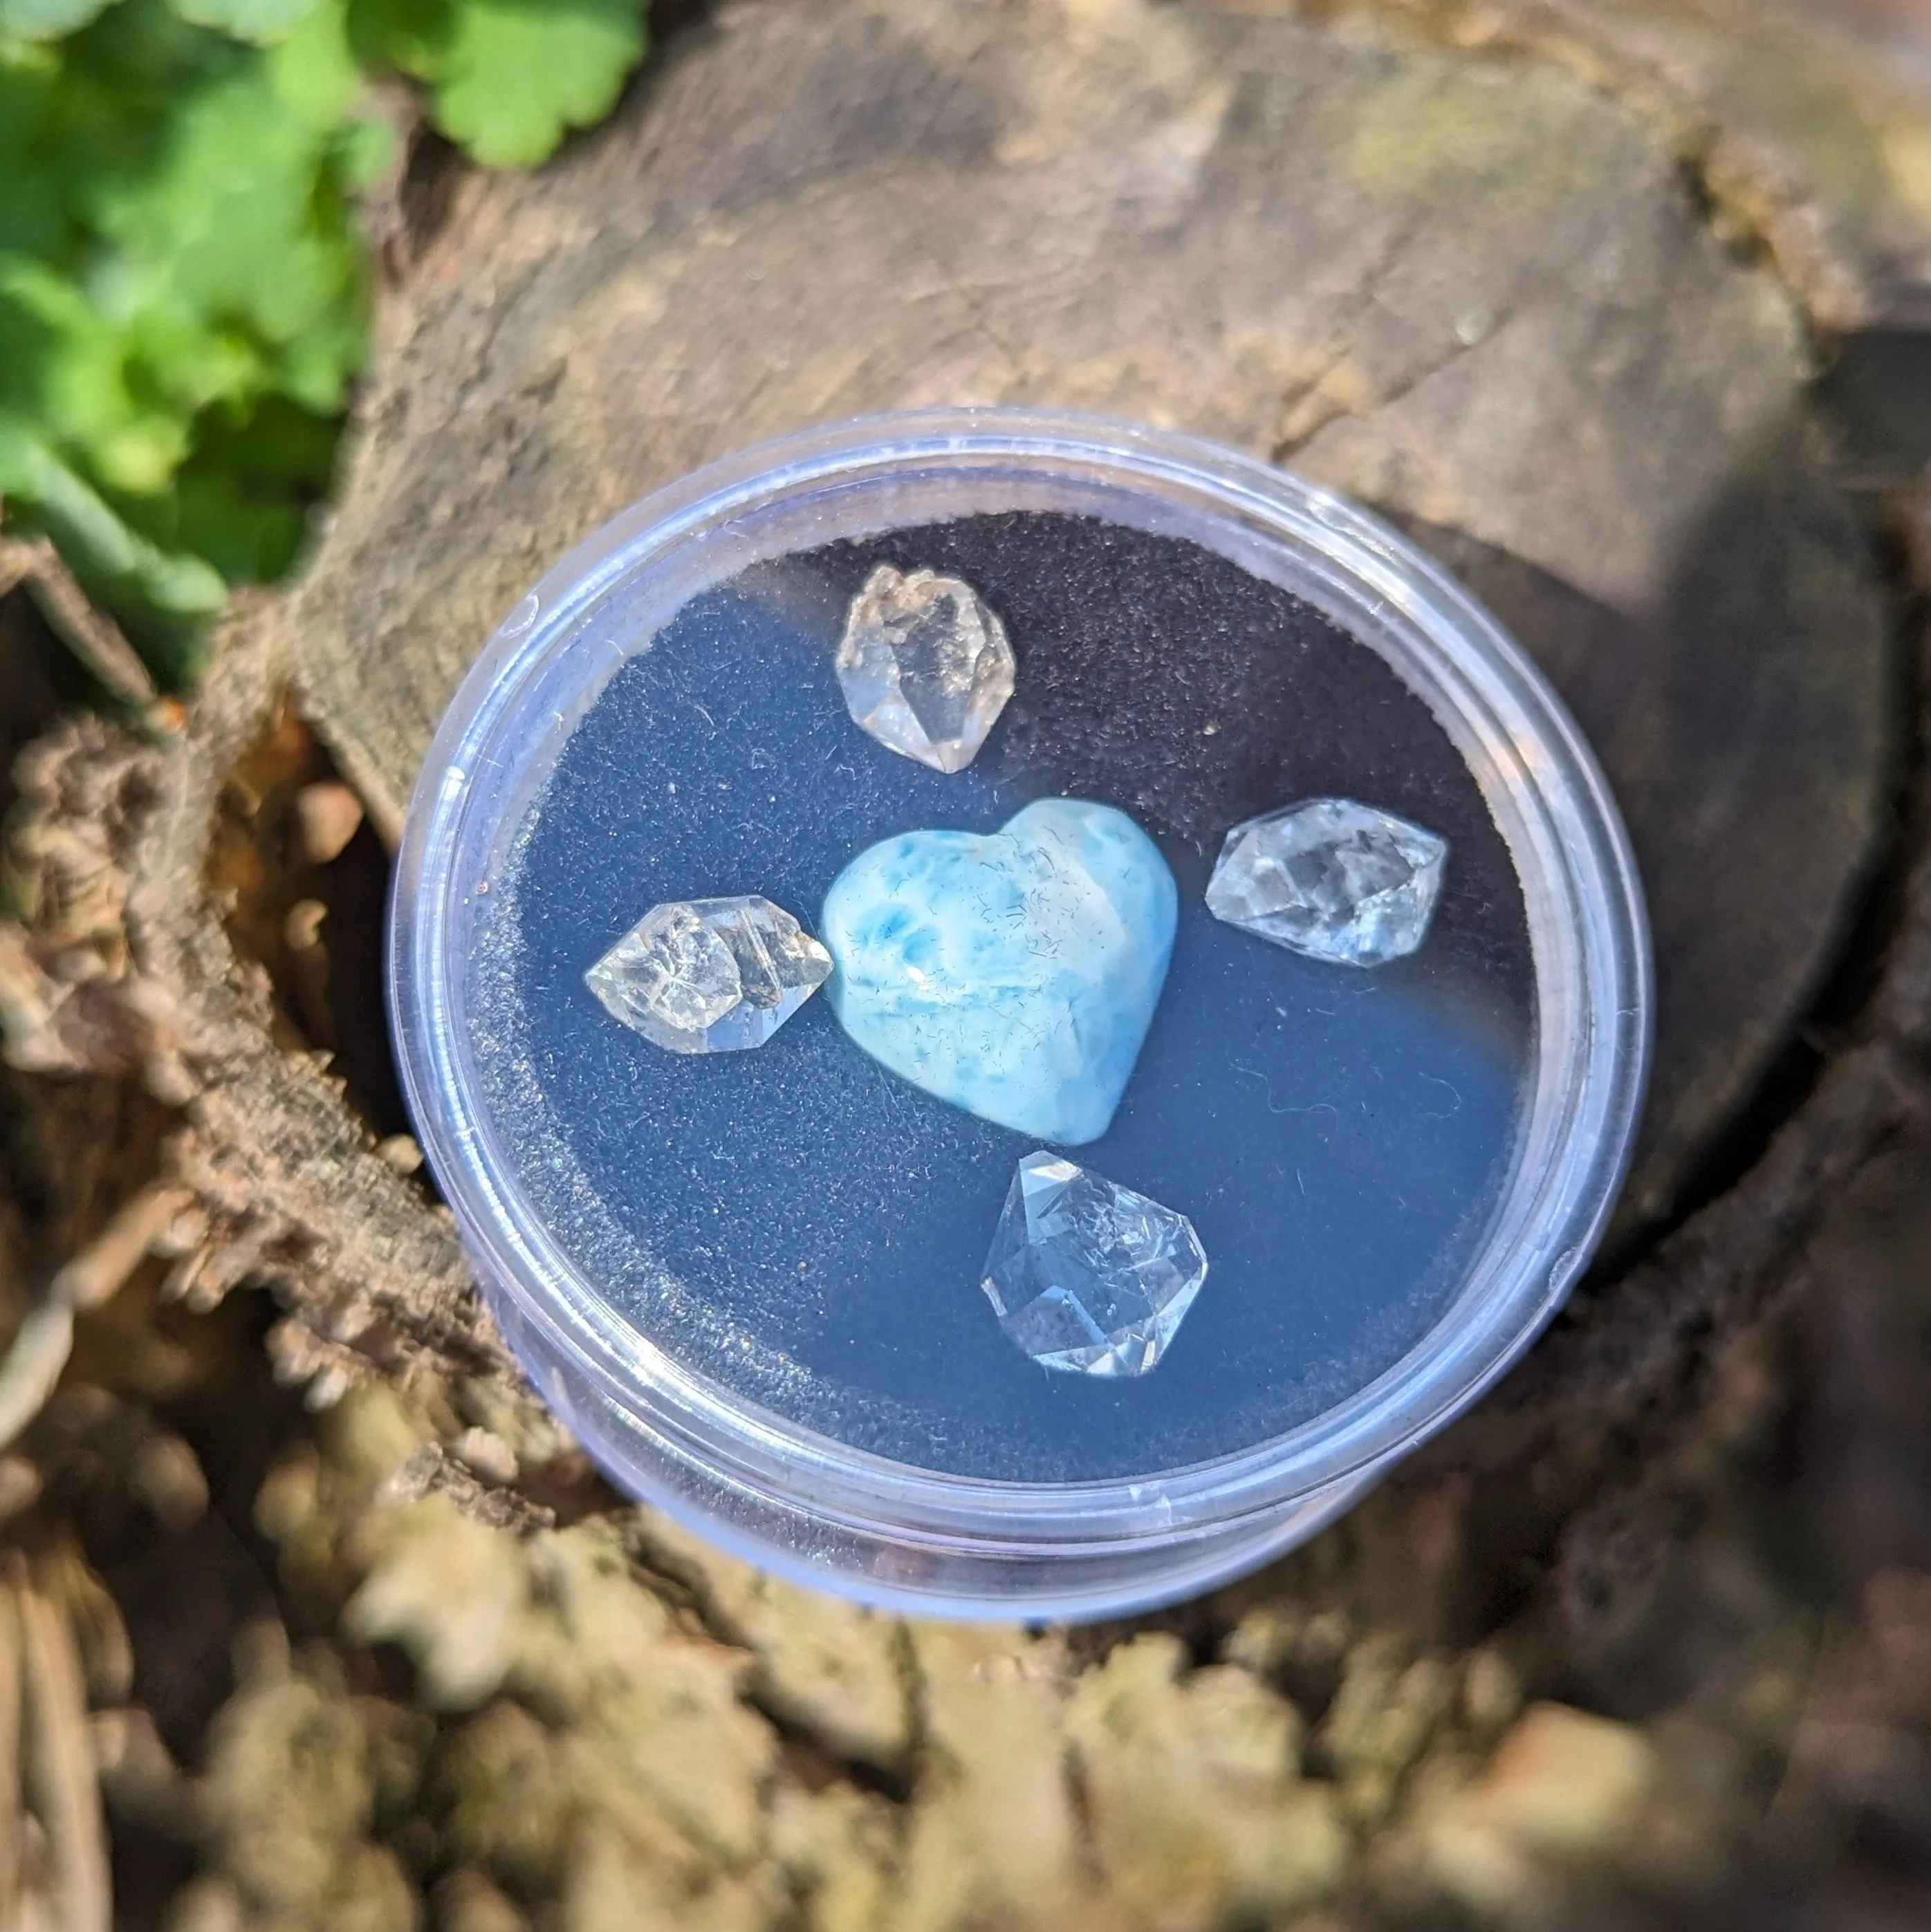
point(1332, 879)
point(1086, 1276)
point(710, 975)
point(925, 666)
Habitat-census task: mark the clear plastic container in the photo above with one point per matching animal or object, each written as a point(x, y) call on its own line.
point(750, 1282)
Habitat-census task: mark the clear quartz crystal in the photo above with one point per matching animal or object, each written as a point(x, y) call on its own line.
point(710, 975)
point(1086, 1276)
point(1332, 879)
point(925, 666)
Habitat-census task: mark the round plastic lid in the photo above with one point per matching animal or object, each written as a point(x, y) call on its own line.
point(1352, 1158)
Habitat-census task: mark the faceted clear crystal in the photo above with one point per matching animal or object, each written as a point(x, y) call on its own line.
point(924, 666)
point(1088, 1276)
point(710, 975)
point(1333, 879)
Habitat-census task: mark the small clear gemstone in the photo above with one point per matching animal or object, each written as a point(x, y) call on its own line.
point(1333, 879)
point(1087, 1275)
point(710, 975)
point(925, 666)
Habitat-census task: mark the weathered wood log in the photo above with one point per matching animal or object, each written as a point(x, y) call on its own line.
point(1464, 275)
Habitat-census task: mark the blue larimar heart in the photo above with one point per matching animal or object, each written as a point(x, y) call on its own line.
point(1013, 973)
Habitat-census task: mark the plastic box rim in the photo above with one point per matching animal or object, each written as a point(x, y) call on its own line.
point(808, 1506)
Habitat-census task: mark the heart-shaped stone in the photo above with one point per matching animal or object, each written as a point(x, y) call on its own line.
point(1013, 974)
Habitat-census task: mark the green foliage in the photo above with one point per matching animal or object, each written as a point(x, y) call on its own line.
point(507, 78)
point(42, 18)
point(183, 286)
point(262, 20)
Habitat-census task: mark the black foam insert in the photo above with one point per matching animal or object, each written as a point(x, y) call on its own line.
point(809, 1230)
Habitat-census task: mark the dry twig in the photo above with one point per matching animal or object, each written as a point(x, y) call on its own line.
point(44, 1339)
point(62, 1787)
point(92, 636)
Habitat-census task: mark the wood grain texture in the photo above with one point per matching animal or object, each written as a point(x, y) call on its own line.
point(1804, 123)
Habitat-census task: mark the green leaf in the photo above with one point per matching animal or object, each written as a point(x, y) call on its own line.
point(368, 152)
point(63, 363)
point(515, 75)
point(249, 540)
point(99, 545)
point(228, 230)
point(410, 35)
point(314, 71)
point(47, 19)
point(263, 21)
